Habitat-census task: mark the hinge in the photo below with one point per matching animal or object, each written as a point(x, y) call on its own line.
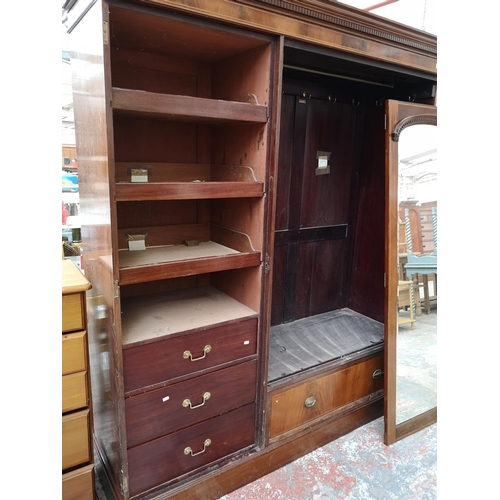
point(267, 267)
point(116, 288)
point(105, 37)
point(385, 280)
point(385, 122)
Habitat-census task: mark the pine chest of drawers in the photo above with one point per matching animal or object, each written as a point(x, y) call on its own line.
point(77, 455)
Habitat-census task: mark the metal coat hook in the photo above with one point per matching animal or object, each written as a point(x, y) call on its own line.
point(355, 102)
point(412, 97)
point(307, 96)
point(330, 98)
point(379, 102)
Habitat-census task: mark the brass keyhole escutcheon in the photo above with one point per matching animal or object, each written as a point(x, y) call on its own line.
point(310, 401)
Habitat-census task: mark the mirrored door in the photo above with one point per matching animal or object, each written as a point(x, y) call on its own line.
point(411, 269)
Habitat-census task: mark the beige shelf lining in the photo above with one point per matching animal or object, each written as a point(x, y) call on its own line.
point(154, 316)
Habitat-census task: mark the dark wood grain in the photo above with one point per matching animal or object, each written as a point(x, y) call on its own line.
point(151, 415)
point(186, 108)
point(162, 459)
point(182, 65)
point(367, 281)
point(248, 468)
point(165, 360)
point(167, 270)
point(137, 214)
point(187, 191)
point(303, 24)
point(314, 208)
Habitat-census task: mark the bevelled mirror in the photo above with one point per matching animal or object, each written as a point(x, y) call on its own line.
point(410, 395)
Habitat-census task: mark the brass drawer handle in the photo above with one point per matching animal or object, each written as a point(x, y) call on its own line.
point(377, 374)
point(311, 401)
point(187, 402)
point(189, 451)
point(206, 350)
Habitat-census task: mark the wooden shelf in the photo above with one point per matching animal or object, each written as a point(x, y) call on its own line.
point(183, 181)
point(153, 316)
point(179, 260)
point(186, 108)
point(187, 191)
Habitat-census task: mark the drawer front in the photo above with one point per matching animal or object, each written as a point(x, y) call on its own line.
point(163, 459)
point(72, 312)
point(74, 357)
point(317, 397)
point(78, 484)
point(186, 355)
point(75, 439)
point(162, 411)
point(74, 391)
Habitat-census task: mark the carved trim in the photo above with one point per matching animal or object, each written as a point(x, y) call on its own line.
point(352, 25)
point(412, 120)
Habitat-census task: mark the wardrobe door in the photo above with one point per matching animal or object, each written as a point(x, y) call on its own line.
point(410, 392)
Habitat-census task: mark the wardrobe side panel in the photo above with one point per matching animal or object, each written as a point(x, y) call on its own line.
point(366, 294)
point(94, 144)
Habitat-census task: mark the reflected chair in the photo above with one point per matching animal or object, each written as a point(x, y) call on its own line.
point(425, 264)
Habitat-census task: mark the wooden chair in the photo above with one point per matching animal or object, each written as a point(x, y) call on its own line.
point(424, 265)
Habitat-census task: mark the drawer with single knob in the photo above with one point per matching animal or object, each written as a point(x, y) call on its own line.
point(316, 397)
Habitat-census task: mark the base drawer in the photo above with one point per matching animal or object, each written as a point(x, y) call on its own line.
point(318, 396)
point(186, 355)
point(74, 357)
point(72, 312)
point(78, 484)
point(163, 459)
point(74, 391)
point(75, 439)
point(162, 411)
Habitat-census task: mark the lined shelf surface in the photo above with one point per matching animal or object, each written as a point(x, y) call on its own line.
point(311, 341)
point(186, 108)
point(153, 316)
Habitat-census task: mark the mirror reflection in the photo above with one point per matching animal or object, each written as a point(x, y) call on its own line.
point(416, 370)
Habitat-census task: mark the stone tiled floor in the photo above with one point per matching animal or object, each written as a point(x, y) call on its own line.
point(357, 466)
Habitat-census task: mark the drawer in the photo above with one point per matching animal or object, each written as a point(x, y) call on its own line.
point(172, 358)
point(163, 459)
point(78, 484)
point(74, 358)
point(316, 397)
point(72, 312)
point(162, 411)
point(74, 391)
point(75, 439)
